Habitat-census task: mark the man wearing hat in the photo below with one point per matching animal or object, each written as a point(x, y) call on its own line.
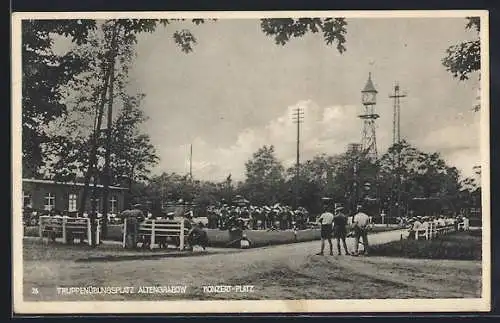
point(326, 221)
point(340, 228)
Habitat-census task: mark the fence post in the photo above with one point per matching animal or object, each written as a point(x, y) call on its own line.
point(181, 236)
point(124, 243)
point(64, 235)
point(97, 234)
point(89, 232)
point(427, 230)
point(152, 234)
point(40, 227)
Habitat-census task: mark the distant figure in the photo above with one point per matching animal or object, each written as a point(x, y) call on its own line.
point(415, 227)
point(340, 229)
point(197, 237)
point(326, 221)
point(180, 210)
point(360, 222)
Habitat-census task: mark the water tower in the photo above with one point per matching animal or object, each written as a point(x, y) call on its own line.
point(369, 116)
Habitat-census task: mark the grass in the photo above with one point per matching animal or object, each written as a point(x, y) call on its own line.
point(458, 246)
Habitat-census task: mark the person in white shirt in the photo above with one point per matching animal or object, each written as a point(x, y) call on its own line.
point(360, 222)
point(414, 228)
point(416, 225)
point(424, 224)
point(326, 221)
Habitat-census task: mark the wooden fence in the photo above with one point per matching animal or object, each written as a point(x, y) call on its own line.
point(432, 230)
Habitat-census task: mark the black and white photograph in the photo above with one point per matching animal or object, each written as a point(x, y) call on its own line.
point(222, 162)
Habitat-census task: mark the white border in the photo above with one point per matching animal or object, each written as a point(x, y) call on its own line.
point(382, 305)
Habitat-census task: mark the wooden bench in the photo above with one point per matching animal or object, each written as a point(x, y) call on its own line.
point(155, 230)
point(67, 228)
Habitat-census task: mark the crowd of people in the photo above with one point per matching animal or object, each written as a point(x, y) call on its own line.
point(276, 217)
point(421, 223)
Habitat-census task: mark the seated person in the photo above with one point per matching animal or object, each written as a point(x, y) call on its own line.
point(197, 236)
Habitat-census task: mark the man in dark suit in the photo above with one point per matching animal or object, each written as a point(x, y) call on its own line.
point(134, 216)
point(340, 228)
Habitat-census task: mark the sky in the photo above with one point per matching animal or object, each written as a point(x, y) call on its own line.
point(236, 92)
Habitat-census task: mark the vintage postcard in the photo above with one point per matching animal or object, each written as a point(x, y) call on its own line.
point(257, 162)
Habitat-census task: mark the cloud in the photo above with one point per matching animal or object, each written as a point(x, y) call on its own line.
point(458, 144)
point(324, 130)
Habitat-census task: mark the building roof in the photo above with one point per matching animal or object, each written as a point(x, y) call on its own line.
point(369, 87)
point(46, 181)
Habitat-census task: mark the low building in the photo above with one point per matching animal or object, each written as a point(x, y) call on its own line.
point(48, 195)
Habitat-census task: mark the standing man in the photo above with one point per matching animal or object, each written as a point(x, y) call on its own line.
point(180, 209)
point(360, 222)
point(134, 216)
point(340, 228)
point(326, 221)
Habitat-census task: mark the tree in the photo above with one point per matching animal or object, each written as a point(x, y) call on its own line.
point(316, 180)
point(283, 29)
point(465, 58)
point(132, 153)
point(43, 75)
point(264, 176)
point(417, 174)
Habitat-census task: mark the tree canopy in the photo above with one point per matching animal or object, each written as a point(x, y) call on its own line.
point(465, 58)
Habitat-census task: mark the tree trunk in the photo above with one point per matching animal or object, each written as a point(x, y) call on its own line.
point(107, 172)
point(94, 142)
point(93, 213)
point(129, 198)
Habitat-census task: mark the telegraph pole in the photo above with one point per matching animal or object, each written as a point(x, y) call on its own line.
point(191, 162)
point(396, 120)
point(396, 140)
point(298, 118)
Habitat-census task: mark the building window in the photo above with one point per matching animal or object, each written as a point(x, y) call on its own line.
point(72, 202)
point(112, 204)
point(50, 202)
point(27, 200)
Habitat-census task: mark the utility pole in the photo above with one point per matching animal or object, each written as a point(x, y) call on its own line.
point(396, 120)
point(396, 140)
point(298, 118)
point(191, 162)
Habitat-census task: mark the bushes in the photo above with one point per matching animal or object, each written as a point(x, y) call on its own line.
point(459, 246)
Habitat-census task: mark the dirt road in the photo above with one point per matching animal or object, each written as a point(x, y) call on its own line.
point(278, 272)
